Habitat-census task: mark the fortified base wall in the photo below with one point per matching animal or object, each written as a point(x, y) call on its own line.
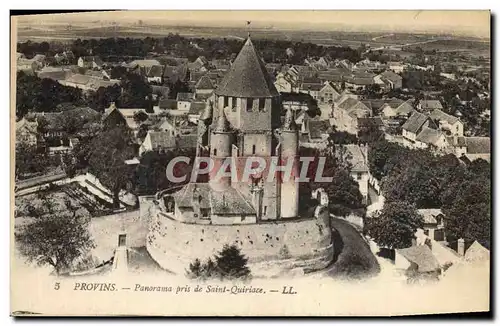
point(272, 248)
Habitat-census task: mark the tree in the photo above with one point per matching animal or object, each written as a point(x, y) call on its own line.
point(55, 236)
point(343, 195)
point(30, 161)
point(342, 138)
point(108, 152)
point(370, 132)
point(231, 263)
point(140, 116)
point(135, 92)
point(177, 87)
point(195, 269)
point(396, 225)
point(467, 207)
point(379, 155)
point(343, 191)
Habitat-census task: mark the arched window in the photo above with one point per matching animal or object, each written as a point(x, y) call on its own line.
point(215, 151)
point(253, 149)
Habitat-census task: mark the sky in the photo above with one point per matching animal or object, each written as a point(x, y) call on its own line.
point(472, 23)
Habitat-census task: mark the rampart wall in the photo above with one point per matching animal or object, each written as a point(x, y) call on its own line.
point(271, 247)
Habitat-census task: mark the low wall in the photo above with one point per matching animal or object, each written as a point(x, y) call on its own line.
point(271, 247)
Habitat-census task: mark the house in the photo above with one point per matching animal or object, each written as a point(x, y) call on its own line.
point(36, 63)
point(429, 105)
point(167, 104)
point(321, 64)
point(90, 62)
point(346, 112)
point(357, 156)
point(176, 125)
point(26, 65)
point(196, 110)
point(184, 101)
point(389, 108)
point(221, 64)
point(204, 86)
point(414, 125)
point(40, 60)
point(357, 83)
point(300, 72)
point(433, 223)
point(471, 148)
point(284, 83)
point(273, 68)
point(86, 82)
point(397, 67)
point(417, 263)
point(157, 141)
point(175, 73)
point(147, 63)
point(50, 129)
point(96, 74)
point(114, 116)
point(159, 92)
point(163, 141)
point(311, 89)
point(334, 75)
point(328, 93)
point(431, 138)
point(154, 74)
point(318, 130)
point(448, 123)
point(405, 109)
point(54, 73)
point(199, 64)
point(389, 80)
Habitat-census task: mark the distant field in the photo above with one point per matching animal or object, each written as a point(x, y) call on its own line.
point(328, 38)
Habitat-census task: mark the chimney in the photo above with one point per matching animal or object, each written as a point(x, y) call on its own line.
point(461, 247)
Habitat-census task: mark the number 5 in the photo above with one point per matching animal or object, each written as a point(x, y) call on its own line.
point(56, 286)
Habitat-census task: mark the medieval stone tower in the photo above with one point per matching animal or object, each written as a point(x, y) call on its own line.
point(245, 120)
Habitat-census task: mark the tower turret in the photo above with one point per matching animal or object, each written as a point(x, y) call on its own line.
point(220, 149)
point(289, 157)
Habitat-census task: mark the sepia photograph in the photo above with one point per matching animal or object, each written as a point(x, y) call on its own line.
point(250, 163)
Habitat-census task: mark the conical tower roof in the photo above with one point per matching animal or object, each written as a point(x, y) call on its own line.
point(248, 76)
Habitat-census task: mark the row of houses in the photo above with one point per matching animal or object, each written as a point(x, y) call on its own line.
point(307, 79)
point(91, 80)
point(57, 132)
point(443, 133)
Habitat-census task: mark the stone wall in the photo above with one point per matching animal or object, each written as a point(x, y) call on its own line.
point(271, 247)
